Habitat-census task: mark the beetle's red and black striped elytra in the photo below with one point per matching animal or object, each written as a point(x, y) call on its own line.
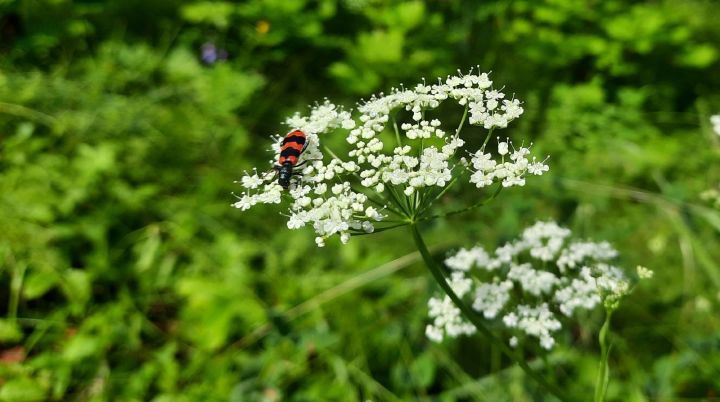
point(292, 146)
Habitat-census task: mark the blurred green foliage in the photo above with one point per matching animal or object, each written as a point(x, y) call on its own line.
point(125, 275)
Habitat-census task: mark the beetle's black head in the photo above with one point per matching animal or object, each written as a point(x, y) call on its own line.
point(284, 175)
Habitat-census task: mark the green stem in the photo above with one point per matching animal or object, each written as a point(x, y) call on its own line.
point(16, 284)
point(427, 204)
point(466, 209)
point(379, 230)
point(384, 205)
point(397, 132)
point(462, 121)
point(603, 377)
point(25, 112)
point(395, 198)
point(482, 148)
point(471, 316)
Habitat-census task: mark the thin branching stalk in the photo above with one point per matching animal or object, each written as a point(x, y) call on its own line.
point(603, 377)
point(487, 138)
point(471, 316)
point(462, 120)
point(397, 132)
point(26, 112)
point(466, 209)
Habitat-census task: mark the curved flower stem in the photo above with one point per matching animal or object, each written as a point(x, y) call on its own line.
point(466, 209)
point(402, 206)
point(384, 205)
point(379, 230)
point(26, 112)
point(489, 134)
point(429, 201)
point(471, 316)
point(603, 377)
point(397, 132)
point(462, 120)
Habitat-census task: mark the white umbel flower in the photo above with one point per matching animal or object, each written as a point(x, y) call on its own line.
point(398, 146)
point(528, 283)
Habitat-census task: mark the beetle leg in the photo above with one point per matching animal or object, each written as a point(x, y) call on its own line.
point(272, 174)
point(297, 176)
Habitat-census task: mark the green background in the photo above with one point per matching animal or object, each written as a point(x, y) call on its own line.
point(126, 276)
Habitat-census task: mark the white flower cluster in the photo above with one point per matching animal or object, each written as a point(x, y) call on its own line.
point(395, 146)
point(410, 168)
point(529, 283)
point(322, 198)
point(447, 319)
point(510, 171)
point(715, 121)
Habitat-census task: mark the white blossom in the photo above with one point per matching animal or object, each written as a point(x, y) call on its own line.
point(446, 320)
point(537, 321)
point(535, 282)
point(252, 181)
point(396, 143)
point(644, 273)
point(465, 259)
point(579, 251)
point(529, 282)
point(715, 121)
point(490, 298)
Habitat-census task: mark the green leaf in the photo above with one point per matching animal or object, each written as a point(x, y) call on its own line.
point(182, 65)
point(423, 370)
point(37, 283)
point(213, 13)
point(76, 286)
point(9, 331)
point(699, 56)
point(407, 15)
point(81, 346)
point(22, 390)
point(381, 46)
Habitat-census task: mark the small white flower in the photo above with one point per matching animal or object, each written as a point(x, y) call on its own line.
point(535, 282)
point(579, 251)
point(373, 213)
point(503, 148)
point(490, 298)
point(538, 321)
point(715, 121)
point(434, 333)
point(510, 320)
point(251, 182)
point(447, 320)
point(465, 259)
point(644, 273)
point(295, 222)
point(245, 203)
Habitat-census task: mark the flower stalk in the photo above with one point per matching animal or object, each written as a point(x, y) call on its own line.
point(603, 377)
point(470, 315)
